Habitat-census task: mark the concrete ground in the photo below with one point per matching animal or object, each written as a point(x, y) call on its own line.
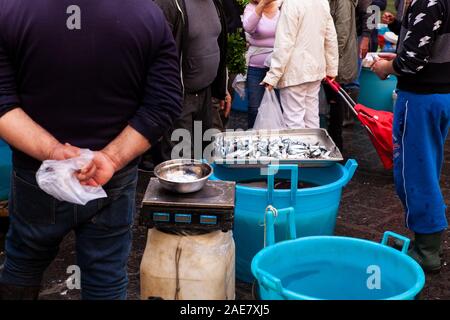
point(369, 207)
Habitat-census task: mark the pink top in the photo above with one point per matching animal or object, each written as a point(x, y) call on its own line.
point(262, 33)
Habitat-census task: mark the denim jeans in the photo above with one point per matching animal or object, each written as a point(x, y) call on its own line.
point(103, 230)
point(255, 92)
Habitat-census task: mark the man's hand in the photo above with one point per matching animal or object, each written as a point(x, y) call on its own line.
point(383, 68)
point(98, 172)
point(387, 56)
point(364, 47)
point(63, 152)
point(226, 105)
point(388, 18)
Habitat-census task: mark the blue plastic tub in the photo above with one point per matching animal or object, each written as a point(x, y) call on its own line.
point(336, 268)
point(375, 93)
point(5, 170)
point(315, 208)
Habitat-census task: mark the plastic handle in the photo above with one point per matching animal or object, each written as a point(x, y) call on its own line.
point(271, 181)
point(389, 234)
point(351, 167)
point(270, 225)
point(333, 84)
point(269, 281)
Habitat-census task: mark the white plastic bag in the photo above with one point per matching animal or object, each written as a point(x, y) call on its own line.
point(57, 178)
point(270, 116)
point(239, 85)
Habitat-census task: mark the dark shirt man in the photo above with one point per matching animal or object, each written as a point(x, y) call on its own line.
point(93, 74)
point(202, 44)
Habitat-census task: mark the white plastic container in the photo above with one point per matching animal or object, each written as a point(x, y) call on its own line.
point(202, 267)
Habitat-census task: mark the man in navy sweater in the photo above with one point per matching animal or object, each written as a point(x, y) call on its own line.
point(421, 122)
point(102, 75)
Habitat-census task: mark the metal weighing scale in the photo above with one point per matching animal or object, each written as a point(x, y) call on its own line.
point(211, 208)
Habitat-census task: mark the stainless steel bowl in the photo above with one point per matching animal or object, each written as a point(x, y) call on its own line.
point(183, 175)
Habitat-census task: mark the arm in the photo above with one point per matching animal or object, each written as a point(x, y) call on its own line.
point(21, 132)
point(363, 7)
point(17, 128)
point(331, 49)
point(288, 26)
point(417, 47)
point(251, 17)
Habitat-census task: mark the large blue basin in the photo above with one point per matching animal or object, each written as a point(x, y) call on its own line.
point(316, 208)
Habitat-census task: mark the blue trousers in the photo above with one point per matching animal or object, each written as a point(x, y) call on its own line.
point(38, 224)
point(255, 92)
point(421, 124)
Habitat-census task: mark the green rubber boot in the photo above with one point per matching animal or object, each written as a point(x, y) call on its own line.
point(426, 251)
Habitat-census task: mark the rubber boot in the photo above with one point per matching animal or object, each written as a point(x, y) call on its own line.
point(11, 292)
point(427, 251)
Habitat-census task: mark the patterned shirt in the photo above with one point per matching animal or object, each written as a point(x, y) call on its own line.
point(423, 60)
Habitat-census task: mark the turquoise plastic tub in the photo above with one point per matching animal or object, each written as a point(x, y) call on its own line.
point(315, 208)
point(5, 170)
point(335, 268)
point(376, 93)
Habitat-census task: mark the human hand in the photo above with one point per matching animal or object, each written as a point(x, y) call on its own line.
point(387, 18)
point(268, 86)
point(387, 56)
point(364, 47)
point(226, 105)
point(383, 68)
point(98, 172)
point(63, 152)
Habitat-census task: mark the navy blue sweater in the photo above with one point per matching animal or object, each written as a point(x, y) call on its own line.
point(85, 69)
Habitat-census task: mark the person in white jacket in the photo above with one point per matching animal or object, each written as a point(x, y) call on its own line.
point(306, 51)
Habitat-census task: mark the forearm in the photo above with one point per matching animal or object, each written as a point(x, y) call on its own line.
point(251, 20)
point(365, 13)
point(21, 132)
point(129, 145)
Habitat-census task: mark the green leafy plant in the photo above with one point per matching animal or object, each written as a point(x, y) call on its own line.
point(243, 3)
point(237, 48)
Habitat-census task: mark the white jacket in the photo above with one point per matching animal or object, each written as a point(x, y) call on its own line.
point(306, 46)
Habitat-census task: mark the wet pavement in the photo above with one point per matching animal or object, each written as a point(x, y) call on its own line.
point(369, 207)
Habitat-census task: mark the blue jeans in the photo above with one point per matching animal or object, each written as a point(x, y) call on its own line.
point(255, 92)
point(421, 124)
point(103, 229)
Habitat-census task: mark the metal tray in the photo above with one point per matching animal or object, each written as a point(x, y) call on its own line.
point(307, 135)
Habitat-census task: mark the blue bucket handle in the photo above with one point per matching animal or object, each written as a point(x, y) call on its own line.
point(389, 234)
point(269, 281)
point(272, 212)
point(351, 167)
point(269, 224)
point(272, 170)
